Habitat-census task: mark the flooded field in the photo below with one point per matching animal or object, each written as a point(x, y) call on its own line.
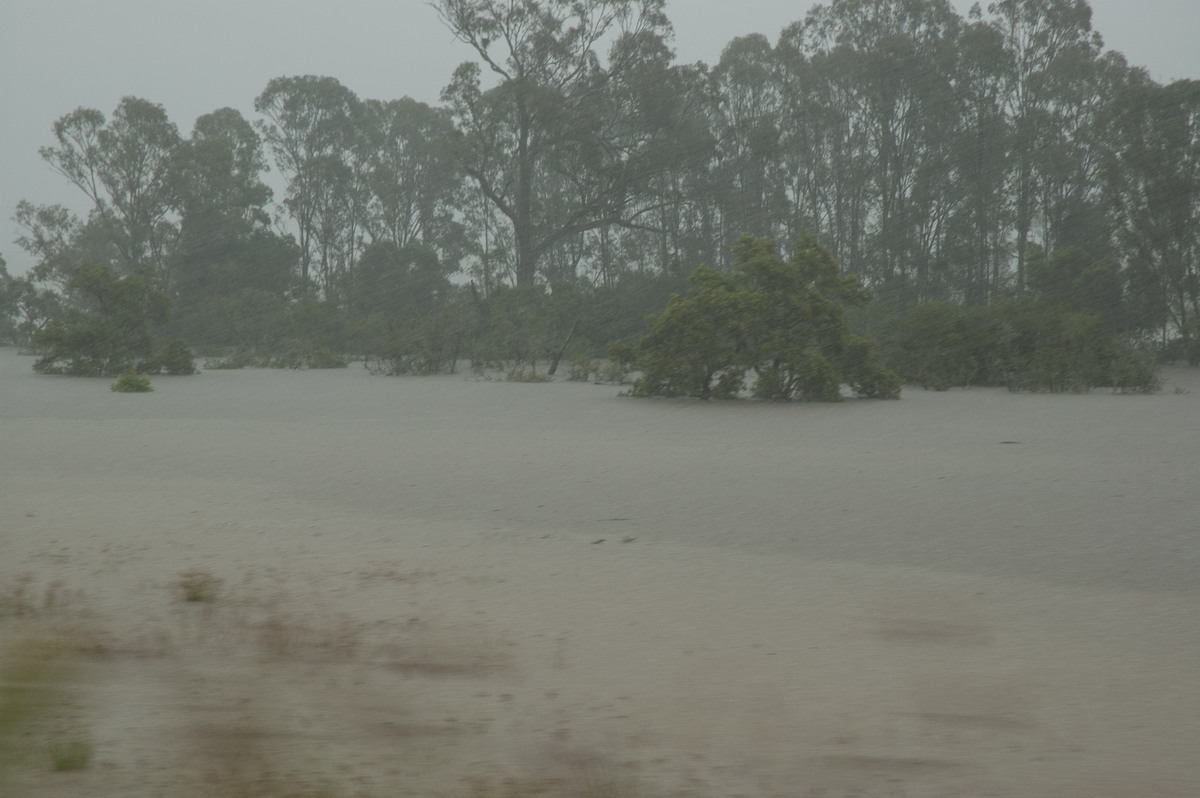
point(458, 587)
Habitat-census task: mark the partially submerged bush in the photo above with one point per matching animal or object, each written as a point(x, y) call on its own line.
point(583, 369)
point(522, 374)
point(782, 322)
point(132, 382)
point(295, 356)
point(109, 327)
point(430, 350)
point(1022, 345)
point(325, 359)
point(241, 358)
point(173, 358)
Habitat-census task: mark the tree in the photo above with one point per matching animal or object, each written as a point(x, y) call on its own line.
point(1022, 343)
point(400, 284)
point(228, 268)
point(218, 170)
point(1076, 280)
point(565, 143)
point(310, 128)
point(24, 307)
point(109, 326)
point(1155, 184)
point(826, 147)
point(978, 229)
point(124, 166)
point(10, 300)
point(1037, 34)
point(414, 184)
point(51, 234)
point(748, 117)
point(897, 58)
point(783, 321)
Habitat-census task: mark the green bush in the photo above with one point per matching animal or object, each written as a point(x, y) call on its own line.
point(173, 358)
point(108, 328)
point(430, 351)
point(241, 358)
point(780, 323)
point(132, 382)
point(325, 359)
point(522, 374)
point(939, 344)
point(1024, 345)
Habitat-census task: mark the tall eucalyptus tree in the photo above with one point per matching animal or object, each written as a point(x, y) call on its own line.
point(227, 260)
point(1154, 182)
point(1037, 34)
point(978, 233)
point(310, 127)
point(124, 166)
point(748, 116)
point(414, 185)
point(552, 146)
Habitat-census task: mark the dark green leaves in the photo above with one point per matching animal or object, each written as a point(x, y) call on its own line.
point(781, 321)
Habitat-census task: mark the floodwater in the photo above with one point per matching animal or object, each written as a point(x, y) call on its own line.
point(961, 593)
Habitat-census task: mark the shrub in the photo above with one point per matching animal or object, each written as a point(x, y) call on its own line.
point(173, 358)
point(324, 359)
point(783, 322)
point(522, 374)
point(132, 382)
point(1024, 345)
point(583, 368)
point(612, 373)
point(109, 327)
point(939, 344)
point(238, 360)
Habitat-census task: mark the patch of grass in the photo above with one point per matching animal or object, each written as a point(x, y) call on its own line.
point(67, 756)
point(238, 764)
point(34, 670)
point(18, 599)
point(281, 637)
point(25, 670)
point(198, 585)
point(571, 774)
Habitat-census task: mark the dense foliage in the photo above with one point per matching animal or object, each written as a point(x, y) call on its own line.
point(108, 327)
point(576, 172)
point(783, 322)
point(1021, 344)
point(132, 382)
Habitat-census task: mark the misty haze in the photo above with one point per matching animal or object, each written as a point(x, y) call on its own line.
point(569, 416)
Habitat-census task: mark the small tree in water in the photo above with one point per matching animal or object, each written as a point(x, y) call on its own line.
point(783, 323)
point(109, 326)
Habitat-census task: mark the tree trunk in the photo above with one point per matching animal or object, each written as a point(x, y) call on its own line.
point(523, 223)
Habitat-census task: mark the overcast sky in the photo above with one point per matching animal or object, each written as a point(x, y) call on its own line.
point(197, 56)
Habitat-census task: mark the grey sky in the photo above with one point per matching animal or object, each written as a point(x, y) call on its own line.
point(195, 57)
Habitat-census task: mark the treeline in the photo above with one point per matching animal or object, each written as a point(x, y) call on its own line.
point(575, 174)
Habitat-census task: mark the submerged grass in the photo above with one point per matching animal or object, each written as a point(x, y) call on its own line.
point(44, 643)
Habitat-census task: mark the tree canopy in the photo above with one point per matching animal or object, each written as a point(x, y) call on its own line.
point(784, 322)
point(975, 159)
